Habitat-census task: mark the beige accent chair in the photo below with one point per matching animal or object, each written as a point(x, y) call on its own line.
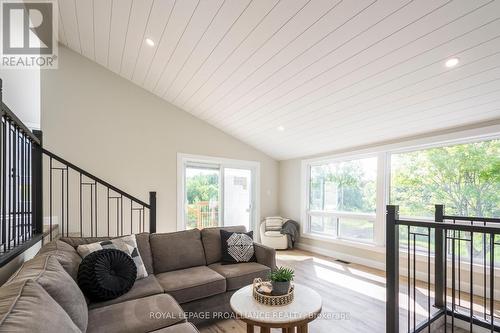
point(270, 233)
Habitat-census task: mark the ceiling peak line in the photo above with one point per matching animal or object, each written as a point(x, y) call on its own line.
point(242, 108)
point(252, 54)
point(228, 56)
point(176, 45)
point(193, 49)
point(375, 74)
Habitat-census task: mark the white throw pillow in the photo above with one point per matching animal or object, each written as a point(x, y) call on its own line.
point(273, 223)
point(127, 244)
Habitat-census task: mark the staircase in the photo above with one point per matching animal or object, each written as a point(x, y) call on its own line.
point(43, 196)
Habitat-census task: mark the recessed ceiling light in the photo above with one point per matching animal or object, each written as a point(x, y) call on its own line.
point(280, 128)
point(452, 62)
point(150, 42)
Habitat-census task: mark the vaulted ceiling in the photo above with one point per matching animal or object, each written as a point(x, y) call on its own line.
point(301, 77)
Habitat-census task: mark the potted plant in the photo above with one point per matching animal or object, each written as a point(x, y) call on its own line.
point(280, 280)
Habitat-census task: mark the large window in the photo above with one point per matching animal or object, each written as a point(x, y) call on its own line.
point(465, 178)
point(342, 199)
point(216, 192)
point(345, 198)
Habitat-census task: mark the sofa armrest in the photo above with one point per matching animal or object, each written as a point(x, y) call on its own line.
point(265, 255)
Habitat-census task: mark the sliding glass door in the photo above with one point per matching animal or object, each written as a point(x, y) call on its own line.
point(217, 194)
point(202, 197)
point(237, 197)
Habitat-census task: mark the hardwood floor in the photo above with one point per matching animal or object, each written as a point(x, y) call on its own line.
point(353, 296)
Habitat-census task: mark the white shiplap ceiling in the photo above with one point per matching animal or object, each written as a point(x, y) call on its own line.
point(334, 74)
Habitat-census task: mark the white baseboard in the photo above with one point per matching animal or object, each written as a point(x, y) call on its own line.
point(342, 256)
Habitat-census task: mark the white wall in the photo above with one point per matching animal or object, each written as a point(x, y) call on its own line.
point(21, 93)
point(130, 137)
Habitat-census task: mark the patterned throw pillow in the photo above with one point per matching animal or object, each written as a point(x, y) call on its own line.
point(127, 244)
point(237, 247)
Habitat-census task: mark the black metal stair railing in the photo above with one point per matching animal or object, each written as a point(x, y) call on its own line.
point(43, 196)
point(18, 228)
point(81, 204)
point(453, 281)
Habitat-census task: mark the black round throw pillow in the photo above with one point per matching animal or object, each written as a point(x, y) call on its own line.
point(106, 274)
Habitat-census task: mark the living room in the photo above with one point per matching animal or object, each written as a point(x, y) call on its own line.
point(168, 166)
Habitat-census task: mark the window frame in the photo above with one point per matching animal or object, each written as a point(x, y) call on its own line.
point(384, 153)
point(307, 212)
point(184, 160)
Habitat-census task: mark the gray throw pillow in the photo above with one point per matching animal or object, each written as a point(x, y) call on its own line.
point(26, 307)
point(48, 273)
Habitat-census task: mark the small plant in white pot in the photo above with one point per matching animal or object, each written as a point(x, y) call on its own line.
point(281, 278)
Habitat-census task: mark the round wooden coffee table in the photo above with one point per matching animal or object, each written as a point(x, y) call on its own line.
point(305, 307)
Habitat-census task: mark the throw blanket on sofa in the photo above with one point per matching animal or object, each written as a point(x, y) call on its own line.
point(291, 229)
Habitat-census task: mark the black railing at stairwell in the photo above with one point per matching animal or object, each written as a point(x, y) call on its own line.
point(18, 228)
point(43, 196)
point(448, 269)
point(80, 204)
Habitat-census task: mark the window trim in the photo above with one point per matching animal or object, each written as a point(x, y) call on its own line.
point(184, 159)
point(384, 153)
point(306, 211)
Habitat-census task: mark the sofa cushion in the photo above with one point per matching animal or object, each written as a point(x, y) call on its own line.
point(142, 244)
point(273, 223)
point(49, 274)
point(193, 283)
point(212, 243)
point(142, 288)
point(135, 316)
point(177, 250)
point(66, 255)
point(242, 274)
point(26, 307)
point(57, 245)
point(179, 328)
point(145, 250)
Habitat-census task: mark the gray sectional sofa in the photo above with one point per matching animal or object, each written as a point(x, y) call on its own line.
point(186, 284)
